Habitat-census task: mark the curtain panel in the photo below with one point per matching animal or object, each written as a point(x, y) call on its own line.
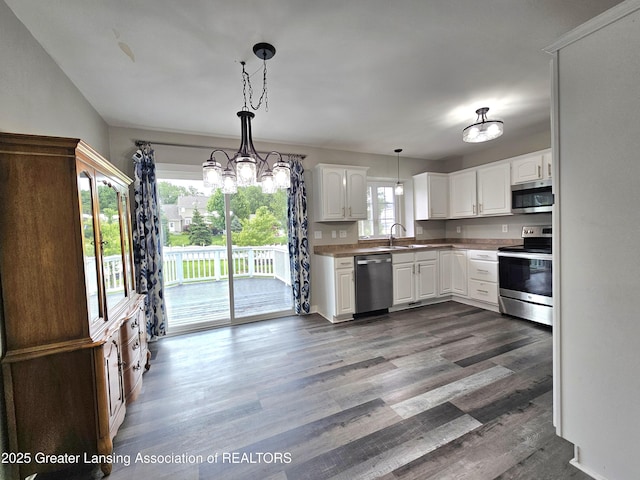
point(147, 242)
point(298, 239)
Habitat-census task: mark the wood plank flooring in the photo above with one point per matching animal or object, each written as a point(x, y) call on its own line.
point(447, 391)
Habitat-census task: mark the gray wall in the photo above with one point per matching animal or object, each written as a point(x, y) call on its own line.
point(598, 325)
point(36, 96)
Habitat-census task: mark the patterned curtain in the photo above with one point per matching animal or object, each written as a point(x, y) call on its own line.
point(298, 239)
point(147, 241)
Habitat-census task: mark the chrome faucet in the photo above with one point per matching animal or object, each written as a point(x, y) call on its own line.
point(391, 232)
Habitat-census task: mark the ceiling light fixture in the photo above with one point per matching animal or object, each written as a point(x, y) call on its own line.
point(247, 166)
point(399, 189)
point(483, 130)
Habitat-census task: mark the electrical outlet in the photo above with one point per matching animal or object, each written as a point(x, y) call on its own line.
point(458, 229)
point(505, 228)
point(317, 234)
point(343, 234)
point(333, 234)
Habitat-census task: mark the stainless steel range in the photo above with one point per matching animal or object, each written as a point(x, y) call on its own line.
point(524, 276)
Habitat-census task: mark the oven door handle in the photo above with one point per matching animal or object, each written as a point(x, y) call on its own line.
point(531, 256)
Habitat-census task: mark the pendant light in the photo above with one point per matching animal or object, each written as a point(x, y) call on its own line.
point(247, 167)
point(399, 189)
point(483, 130)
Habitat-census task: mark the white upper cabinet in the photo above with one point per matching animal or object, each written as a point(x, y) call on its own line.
point(494, 189)
point(462, 194)
point(531, 167)
point(480, 191)
point(340, 193)
point(431, 196)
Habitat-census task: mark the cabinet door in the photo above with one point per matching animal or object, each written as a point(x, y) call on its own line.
point(445, 272)
point(494, 189)
point(547, 165)
point(426, 279)
point(459, 272)
point(114, 381)
point(345, 291)
point(403, 283)
point(111, 235)
point(438, 186)
point(332, 194)
point(526, 169)
point(431, 196)
point(462, 194)
point(356, 204)
point(92, 271)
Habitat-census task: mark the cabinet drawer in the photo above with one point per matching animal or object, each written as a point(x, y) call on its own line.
point(483, 270)
point(131, 350)
point(346, 262)
point(132, 372)
point(402, 258)
point(426, 255)
point(490, 255)
point(485, 291)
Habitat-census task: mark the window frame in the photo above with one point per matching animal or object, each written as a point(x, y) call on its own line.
point(398, 206)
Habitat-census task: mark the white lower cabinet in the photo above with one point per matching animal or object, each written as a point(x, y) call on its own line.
point(483, 275)
point(459, 272)
point(415, 276)
point(444, 286)
point(336, 294)
point(345, 288)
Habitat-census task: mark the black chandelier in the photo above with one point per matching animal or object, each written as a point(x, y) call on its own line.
point(247, 167)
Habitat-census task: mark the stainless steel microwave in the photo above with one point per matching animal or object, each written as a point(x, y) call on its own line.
point(533, 197)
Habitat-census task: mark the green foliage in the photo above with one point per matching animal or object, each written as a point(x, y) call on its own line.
point(110, 238)
point(259, 230)
point(199, 231)
point(216, 208)
point(169, 192)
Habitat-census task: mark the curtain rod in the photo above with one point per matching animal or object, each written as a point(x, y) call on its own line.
point(140, 143)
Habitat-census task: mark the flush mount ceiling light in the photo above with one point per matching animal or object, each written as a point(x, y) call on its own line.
point(483, 130)
point(247, 167)
point(399, 189)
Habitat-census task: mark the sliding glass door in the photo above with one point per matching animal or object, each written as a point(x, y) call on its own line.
point(225, 256)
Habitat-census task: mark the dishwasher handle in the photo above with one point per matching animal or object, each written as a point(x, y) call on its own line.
point(371, 261)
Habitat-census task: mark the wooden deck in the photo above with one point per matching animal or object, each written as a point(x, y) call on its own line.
point(208, 302)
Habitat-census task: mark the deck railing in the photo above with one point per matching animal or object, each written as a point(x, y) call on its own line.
point(202, 264)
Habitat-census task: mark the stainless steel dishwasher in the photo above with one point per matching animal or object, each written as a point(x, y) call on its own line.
point(374, 287)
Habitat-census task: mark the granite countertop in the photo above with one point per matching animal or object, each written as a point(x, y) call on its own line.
point(348, 250)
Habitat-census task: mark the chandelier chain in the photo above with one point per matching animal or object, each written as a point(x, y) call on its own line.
point(246, 85)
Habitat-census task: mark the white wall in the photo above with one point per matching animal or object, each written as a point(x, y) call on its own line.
point(598, 325)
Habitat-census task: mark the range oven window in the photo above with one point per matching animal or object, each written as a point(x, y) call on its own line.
point(525, 275)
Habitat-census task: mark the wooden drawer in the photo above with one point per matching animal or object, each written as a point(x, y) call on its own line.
point(131, 350)
point(485, 291)
point(483, 270)
point(133, 376)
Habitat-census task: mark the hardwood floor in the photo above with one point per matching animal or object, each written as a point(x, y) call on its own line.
point(441, 392)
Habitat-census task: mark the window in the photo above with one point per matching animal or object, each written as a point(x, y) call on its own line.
point(383, 210)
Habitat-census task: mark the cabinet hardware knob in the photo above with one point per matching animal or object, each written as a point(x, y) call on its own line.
point(137, 367)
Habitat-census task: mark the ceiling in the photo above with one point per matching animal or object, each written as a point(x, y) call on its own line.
point(358, 75)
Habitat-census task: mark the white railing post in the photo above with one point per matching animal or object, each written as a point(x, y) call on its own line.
point(216, 265)
point(251, 260)
point(179, 268)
